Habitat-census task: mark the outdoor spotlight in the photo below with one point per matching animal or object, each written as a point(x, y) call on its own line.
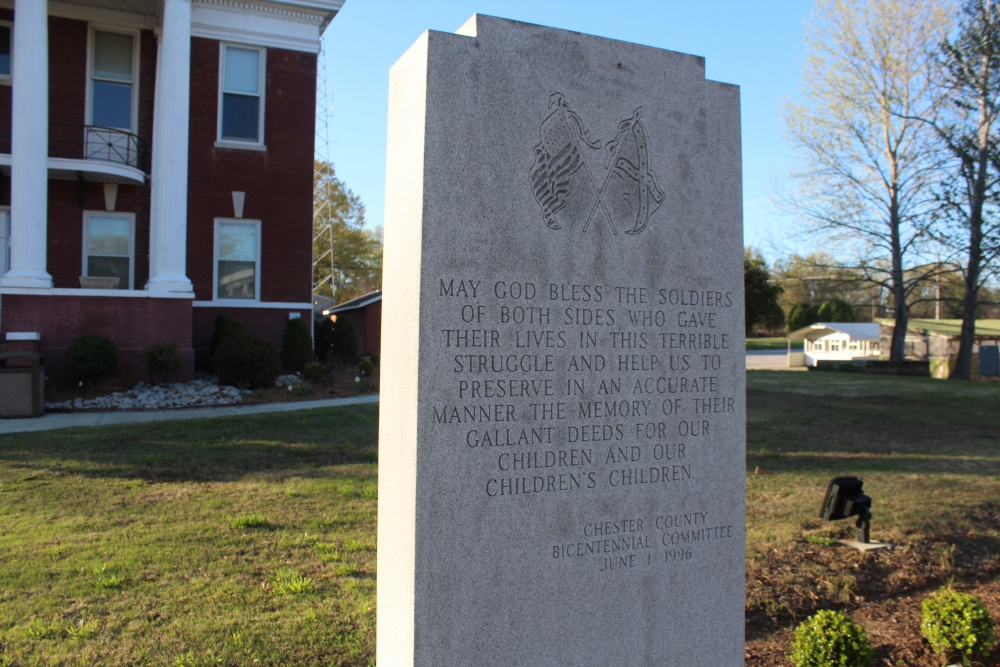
point(843, 500)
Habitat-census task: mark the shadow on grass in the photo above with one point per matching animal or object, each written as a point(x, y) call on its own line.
point(219, 449)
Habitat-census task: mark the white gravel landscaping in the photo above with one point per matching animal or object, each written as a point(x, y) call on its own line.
point(150, 397)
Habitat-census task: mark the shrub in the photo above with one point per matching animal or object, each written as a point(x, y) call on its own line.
point(161, 361)
point(957, 625)
point(374, 357)
point(336, 340)
point(829, 638)
point(314, 372)
point(225, 328)
point(296, 346)
point(366, 368)
point(246, 360)
point(92, 357)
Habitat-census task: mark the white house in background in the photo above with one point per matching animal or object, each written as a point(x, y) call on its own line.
point(835, 341)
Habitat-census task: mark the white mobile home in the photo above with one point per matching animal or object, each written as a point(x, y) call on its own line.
point(835, 341)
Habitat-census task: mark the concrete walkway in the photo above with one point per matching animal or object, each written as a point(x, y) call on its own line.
point(54, 420)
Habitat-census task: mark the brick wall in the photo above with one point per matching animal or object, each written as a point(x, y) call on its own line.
point(131, 323)
point(277, 182)
point(65, 237)
point(268, 323)
point(67, 112)
point(67, 86)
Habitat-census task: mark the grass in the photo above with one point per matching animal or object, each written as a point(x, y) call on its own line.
point(251, 540)
point(777, 343)
point(191, 543)
point(928, 452)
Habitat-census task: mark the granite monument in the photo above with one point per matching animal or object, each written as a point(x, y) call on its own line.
point(562, 417)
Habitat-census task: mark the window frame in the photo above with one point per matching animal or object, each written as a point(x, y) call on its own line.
point(136, 35)
point(260, 144)
point(215, 261)
point(8, 79)
point(131, 243)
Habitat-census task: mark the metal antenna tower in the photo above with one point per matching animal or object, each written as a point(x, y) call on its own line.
point(322, 226)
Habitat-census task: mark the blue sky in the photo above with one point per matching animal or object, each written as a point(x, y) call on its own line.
point(755, 45)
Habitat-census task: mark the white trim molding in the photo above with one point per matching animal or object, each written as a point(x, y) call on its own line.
point(118, 293)
point(296, 25)
point(236, 303)
point(23, 335)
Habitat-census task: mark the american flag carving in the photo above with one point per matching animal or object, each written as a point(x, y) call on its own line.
point(557, 157)
point(630, 194)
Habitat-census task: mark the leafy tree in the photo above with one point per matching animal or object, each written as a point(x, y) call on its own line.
point(969, 130)
point(818, 278)
point(761, 295)
point(869, 165)
point(802, 315)
point(347, 256)
point(835, 310)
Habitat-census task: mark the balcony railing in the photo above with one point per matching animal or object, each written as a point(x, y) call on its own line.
point(111, 145)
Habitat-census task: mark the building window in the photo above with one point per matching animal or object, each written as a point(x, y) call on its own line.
point(5, 51)
point(835, 346)
point(4, 240)
point(112, 79)
point(108, 246)
point(241, 103)
point(237, 259)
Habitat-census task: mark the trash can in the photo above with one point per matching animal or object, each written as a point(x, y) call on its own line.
point(22, 388)
point(989, 360)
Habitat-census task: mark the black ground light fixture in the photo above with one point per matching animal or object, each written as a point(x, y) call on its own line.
point(844, 500)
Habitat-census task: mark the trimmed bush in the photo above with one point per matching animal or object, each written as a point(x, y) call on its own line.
point(225, 328)
point(92, 357)
point(296, 346)
point(957, 625)
point(830, 639)
point(336, 341)
point(246, 361)
point(374, 357)
point(161, 361)
point(366, 368)
point(314, 372)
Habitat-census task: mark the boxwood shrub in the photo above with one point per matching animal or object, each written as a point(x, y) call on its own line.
point(957, 625)
point(246, 361)
point(161, 361)
point(830, 639)
point(92, 357)
point(296, 346)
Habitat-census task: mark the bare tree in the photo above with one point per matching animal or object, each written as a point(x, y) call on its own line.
point(969, 129)
point(869, 164)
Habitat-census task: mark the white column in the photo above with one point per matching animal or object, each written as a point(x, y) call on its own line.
point(168, 215)
point(29, 175)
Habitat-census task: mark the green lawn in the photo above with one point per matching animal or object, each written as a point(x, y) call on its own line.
point(772, 344)
point(250, 541)
point(236, 541)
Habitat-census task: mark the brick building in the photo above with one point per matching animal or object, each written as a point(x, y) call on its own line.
point(156, 161)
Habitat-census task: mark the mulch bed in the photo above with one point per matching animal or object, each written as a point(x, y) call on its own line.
point(883, 590)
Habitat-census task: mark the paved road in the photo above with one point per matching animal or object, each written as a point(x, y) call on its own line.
point(769, 360)
point(54, 420)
